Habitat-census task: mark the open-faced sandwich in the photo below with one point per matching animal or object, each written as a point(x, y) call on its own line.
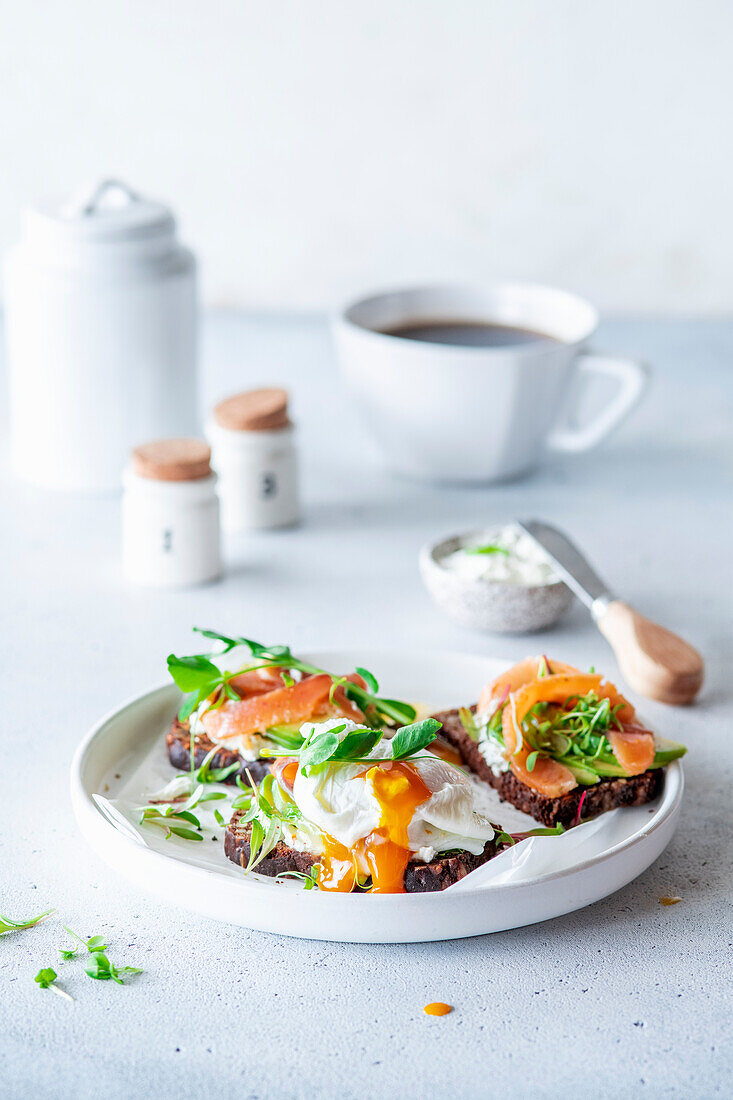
point(355, 810)
point(347, 791)
point(557, 743)
point(246, 703)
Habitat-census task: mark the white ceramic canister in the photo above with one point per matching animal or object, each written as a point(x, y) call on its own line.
point(170, 515)
point(254, 454)
point(100, 303)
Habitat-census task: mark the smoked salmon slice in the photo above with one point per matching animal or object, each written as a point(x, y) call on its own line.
point(517, 676)
point(288, 705)
point(548, 777)
point(257, 681)
point(633, 747)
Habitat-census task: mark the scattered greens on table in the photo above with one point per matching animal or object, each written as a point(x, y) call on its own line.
point(104, 970)
point(94, 943)
point(8, 925)
point(100, 966)
point(46, 978)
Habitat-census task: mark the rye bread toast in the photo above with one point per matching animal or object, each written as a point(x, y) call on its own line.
point(178, 740)
point(605, 795)
point(420, 878)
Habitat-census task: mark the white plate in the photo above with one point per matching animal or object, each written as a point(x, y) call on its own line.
point(529, 885)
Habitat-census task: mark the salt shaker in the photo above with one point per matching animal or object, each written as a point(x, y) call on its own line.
point(253, 448)
point(170, 515)
point(100, 300)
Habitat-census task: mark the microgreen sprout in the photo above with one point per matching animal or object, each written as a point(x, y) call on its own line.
point(309, 879)
point(104, 970)
point(514, 838)
point(175, 821)
point(46, 978)
point(576, 819)
point(267, 809)
point(207, 774)
point(8, 925)
point(469, 723)
point(94, 943)
point(491, 548)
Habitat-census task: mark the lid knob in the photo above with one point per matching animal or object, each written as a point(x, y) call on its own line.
point(90, 201)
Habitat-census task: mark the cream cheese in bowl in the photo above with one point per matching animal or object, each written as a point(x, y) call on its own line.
point(496, 579)
point(503, 554)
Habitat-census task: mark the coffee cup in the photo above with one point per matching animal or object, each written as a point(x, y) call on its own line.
point(476, 383)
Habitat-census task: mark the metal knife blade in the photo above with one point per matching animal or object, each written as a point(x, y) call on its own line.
point(570, 564)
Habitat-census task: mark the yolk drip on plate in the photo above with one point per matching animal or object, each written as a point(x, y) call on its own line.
point(384, 853)
point(446, 752)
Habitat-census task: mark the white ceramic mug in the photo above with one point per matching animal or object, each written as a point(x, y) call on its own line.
point(460, 413)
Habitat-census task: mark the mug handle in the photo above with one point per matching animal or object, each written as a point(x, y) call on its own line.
point(633, 377)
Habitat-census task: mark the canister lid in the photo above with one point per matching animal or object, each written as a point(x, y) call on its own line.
point(109, 211)
point(263, 410)
point(172, 460)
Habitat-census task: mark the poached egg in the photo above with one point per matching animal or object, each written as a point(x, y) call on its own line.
point(374, 818)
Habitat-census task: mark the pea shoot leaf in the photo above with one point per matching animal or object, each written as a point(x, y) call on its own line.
point(192, 673)
point(369, 679)
point(319, 749)
point(358, 743)
point(413, 738)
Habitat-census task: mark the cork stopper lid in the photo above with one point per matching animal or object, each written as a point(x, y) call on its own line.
point(172, 460)
point(263, 410)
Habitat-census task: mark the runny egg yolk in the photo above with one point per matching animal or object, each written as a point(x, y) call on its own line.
point(384, 853)
point(288, 773)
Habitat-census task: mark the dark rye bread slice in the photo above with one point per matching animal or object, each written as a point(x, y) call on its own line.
point(178, 740)
point(420, 878)
point(605, 795)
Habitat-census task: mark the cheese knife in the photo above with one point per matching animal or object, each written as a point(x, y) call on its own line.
point(654, 661)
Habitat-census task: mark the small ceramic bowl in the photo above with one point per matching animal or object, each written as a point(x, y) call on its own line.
point(494, 606)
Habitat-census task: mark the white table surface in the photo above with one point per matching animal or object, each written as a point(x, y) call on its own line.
point(625, 998)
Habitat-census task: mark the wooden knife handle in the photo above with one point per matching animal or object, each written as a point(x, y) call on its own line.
point(654, 661)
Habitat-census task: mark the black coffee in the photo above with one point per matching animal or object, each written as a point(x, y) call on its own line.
point(472, 334)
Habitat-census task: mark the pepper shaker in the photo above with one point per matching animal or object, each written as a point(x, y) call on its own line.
point(170, 515)
point(253, 447)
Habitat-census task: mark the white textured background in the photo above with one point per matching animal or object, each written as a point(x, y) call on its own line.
point(317, 148)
